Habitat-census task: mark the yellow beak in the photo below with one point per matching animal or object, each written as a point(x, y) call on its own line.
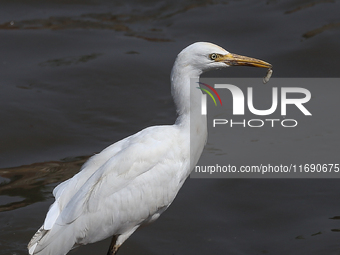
point(237, 60)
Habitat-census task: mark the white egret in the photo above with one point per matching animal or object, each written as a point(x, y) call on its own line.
point(133, 181)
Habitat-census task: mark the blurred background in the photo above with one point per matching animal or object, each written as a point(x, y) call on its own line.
point(76, 76)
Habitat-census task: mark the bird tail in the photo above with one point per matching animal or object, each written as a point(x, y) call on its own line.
point(57, 241)
point(35, 239)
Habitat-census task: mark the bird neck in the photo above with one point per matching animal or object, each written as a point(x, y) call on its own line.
point(186, 96)
point(188, 103)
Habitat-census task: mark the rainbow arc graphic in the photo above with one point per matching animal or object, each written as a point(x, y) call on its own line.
point(209, 93)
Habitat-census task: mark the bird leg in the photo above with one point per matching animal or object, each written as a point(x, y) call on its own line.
point(113, 247)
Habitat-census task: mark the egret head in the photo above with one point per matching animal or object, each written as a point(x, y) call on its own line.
point(205, 56)
point(197, 58)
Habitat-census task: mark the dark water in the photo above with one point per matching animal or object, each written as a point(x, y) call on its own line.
point(77, 76)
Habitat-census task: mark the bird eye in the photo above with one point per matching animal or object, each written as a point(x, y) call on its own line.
point(213, 56)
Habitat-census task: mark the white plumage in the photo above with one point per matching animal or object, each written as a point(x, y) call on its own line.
point(133, 181)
